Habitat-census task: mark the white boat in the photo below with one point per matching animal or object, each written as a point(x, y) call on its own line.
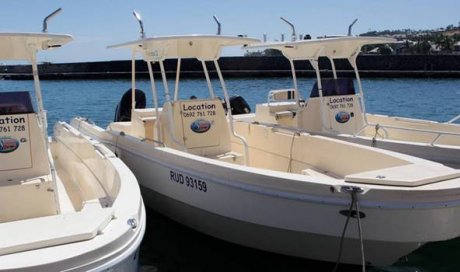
point(335, 109)
point(270, 188)
point(67, 202)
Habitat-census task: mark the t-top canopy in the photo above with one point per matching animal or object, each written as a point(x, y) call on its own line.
point(334, 48)
point(202, 47)
point(21, 46)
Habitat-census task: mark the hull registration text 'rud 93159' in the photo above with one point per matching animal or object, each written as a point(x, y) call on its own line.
point(186, 180)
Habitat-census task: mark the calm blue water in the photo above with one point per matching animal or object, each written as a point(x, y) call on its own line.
point(434, 99)
point(172, 247)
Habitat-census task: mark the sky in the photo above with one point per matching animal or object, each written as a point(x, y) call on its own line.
point(95, 24)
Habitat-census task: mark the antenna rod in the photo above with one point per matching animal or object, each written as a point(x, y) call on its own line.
point(293, 36)
point(350, 26)
point(139, 19)
point(45, 21)
point(218, 24)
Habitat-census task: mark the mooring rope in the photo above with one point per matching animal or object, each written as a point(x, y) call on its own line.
point(374, 139)
point(360, 231)
point(354, 203)
point(289, 168)
point(339, 255)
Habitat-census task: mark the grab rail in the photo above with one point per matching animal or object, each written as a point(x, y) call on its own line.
point(230, 116)
point(439, 133)
point(453, 119)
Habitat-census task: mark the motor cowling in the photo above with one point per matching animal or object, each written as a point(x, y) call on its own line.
point(239, 105)
point(124, 107)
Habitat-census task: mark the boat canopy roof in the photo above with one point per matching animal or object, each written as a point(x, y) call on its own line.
point(22, 46)
point(333, 48)
point(202, 47)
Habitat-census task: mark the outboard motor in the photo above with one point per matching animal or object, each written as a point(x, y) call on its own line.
point(239, 105)
point(123, 111)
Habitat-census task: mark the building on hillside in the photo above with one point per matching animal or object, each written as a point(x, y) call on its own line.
point(451, 32)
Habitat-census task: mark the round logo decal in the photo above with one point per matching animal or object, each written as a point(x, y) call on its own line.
point(200, 126)
point(342, 117)
point(8, 144)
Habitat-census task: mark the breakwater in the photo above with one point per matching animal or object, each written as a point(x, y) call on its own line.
point(265, 66)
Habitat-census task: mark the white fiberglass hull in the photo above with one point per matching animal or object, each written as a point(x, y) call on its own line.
point(279, 240)
point(266, 218)
point(115, 247)
point(274, 213)
point(283, 212)
point(120, 256)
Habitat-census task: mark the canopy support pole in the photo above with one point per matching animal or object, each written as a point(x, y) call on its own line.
point(165, 81)
point(230, 116)
point(334, 71)
point(44, 125)
point(155, 100)
point(294, 80)
point(133, 80)
point(168, 99)
point(352, 60)
point(176, 87)
point(206, 74)
point(315, 65)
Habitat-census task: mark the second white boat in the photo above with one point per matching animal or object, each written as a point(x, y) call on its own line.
point(334, 109)
point(66, 202)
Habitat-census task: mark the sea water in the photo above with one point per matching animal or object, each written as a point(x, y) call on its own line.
point(433, 99)
point(169, 246)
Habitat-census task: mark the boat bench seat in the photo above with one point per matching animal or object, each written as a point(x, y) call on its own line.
point(143, 122)
point(282, 106)
point(30, 234)
point(409, 175)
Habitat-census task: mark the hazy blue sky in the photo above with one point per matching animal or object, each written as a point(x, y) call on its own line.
point(98, 23)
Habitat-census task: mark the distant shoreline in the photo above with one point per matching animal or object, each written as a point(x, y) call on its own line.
point(387, 66)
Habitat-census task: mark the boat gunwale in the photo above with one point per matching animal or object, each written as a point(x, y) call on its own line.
point(344, 200)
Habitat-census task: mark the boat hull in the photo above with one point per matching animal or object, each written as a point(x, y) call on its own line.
point(122, 259)
point(254, 217)
point(277, 240)
point(282, 212)
point(116, 246)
